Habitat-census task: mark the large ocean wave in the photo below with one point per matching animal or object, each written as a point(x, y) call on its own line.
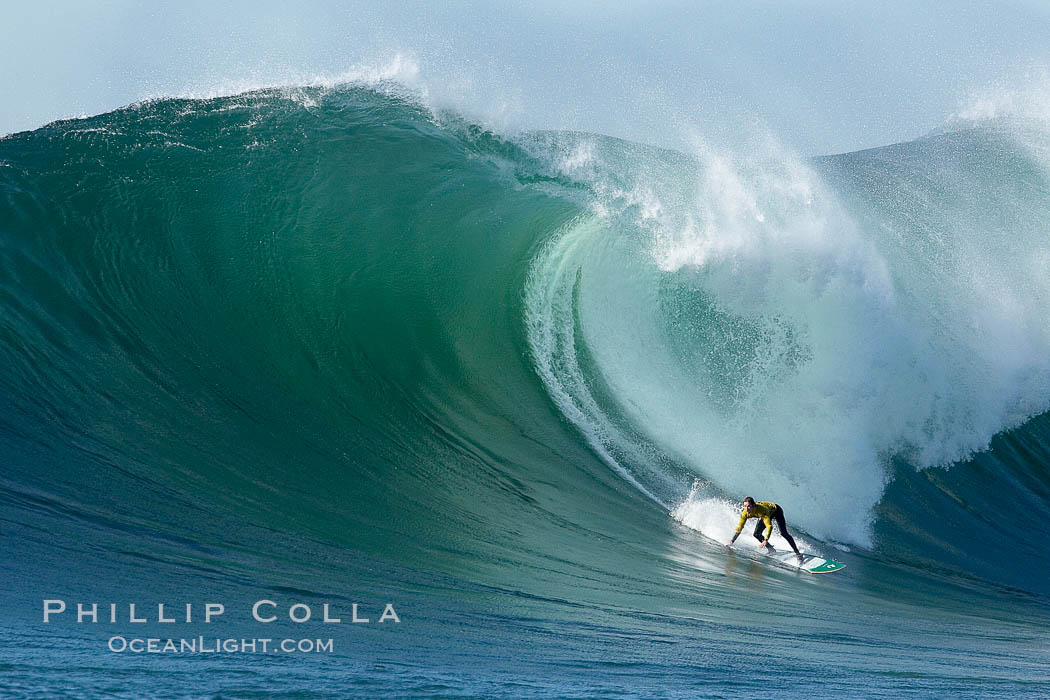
point(339, 315)
point(760, 322)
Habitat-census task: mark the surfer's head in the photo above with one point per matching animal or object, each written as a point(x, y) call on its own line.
point(749, 503)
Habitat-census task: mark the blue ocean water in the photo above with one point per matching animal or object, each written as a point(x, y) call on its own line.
point(332, 346)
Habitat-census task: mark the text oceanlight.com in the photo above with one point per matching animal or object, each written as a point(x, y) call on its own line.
point(216, 645)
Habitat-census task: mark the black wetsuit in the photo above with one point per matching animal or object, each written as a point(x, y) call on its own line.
point(778, 516)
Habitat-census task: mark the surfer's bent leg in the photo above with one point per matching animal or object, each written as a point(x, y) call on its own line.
point(759, 529)
point(779, 517)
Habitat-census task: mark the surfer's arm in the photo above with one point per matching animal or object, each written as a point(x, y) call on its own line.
point(769, 527)
point(739, 527)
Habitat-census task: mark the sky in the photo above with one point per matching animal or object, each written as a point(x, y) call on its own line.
point(823, 77)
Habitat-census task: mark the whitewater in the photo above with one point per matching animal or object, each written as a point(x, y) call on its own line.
point(334, 344)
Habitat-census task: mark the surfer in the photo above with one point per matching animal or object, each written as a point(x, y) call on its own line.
point(766, 512)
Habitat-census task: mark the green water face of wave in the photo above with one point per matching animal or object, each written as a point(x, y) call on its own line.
point(307, 318)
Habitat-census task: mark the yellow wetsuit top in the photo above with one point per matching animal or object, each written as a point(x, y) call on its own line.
point(762, 509)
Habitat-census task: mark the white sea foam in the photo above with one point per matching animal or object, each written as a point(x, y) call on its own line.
point(740, 321)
